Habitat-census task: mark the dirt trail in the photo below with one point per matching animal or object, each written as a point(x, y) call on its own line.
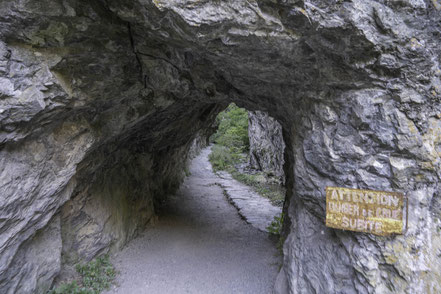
point(200, 245)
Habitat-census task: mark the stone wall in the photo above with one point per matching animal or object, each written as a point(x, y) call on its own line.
point(92, 91)
point(266, 144)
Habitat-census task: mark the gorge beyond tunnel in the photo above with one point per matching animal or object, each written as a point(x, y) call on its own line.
point(101, 100)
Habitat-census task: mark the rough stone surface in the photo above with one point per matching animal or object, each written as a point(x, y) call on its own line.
point(355, 85)
point(253, 208)
point(38, 261)
point(266, 144)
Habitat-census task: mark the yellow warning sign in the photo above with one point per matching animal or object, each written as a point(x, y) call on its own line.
point(375, 212)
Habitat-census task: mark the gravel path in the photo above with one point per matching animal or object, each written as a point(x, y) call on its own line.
point(200, 246)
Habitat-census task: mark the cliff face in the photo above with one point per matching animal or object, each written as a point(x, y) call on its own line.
point(100, 101)
point(266, 144)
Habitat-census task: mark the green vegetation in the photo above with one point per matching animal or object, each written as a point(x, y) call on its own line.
point(276, 225)
point(187, 171)
point(273, 191)
point(231, 149)
point(275, 228)
point(222, 158)
point(232, 131)
point(231, 139)
point(95, 276)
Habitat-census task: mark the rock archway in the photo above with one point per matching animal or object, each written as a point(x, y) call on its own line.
point(100, 101)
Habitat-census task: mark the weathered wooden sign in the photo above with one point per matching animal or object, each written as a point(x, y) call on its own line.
point(375, 212)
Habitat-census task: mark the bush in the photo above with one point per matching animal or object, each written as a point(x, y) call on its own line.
point(96, 276)
point(232, 129)
point(220, 158)
point(70, 288)
point(249, 180)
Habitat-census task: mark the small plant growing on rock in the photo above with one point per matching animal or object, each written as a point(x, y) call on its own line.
point(275, 227)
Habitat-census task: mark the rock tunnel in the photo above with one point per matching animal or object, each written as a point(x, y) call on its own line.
point(100, 102)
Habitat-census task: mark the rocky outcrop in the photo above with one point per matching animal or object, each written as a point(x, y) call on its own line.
point(266, 144)
point(201, 140)
point(93, 91)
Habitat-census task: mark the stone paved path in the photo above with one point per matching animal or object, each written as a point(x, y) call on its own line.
point(200, 246)
point(257, 211)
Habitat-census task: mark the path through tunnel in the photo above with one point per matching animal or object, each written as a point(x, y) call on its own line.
point(187, 235)
point(100, 102)
point(199, 244)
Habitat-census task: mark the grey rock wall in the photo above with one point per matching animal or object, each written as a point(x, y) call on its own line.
point(72, 103)
point(266, 144)
point(369, 148)
point(38, 262)
point(93, 90)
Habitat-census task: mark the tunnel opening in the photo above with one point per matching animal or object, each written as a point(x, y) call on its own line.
point(249, 145)
point(115, 202)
